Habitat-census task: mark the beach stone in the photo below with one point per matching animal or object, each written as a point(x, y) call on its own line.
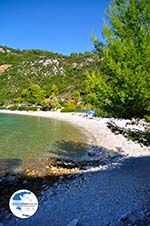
point(25, 181)
point(10, 178)
point(73, 223)
point(134, 218)
point(91, 154)
point(115, 156)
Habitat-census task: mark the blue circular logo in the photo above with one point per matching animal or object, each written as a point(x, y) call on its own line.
point(23, 204)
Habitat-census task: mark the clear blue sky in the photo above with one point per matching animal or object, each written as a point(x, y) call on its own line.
point(62, 26)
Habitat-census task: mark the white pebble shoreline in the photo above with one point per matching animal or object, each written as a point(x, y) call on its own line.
point(99, 197)
point(97, 130)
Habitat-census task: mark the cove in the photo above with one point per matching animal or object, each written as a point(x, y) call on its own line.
point(26, 137)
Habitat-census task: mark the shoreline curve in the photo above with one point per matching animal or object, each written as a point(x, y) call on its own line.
point(96, 129)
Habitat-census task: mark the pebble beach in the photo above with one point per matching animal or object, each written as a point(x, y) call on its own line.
point(100, 196)
point(96, 129)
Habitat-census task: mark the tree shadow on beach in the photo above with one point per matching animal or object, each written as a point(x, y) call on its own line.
point(9, 165)
point(69, 149)
point(136, 135)
point(128, 170)
point(34, 184)
point(133, 171)
point(82, 154)
point(12, 179)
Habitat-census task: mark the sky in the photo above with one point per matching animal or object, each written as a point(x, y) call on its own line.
point(62, 26)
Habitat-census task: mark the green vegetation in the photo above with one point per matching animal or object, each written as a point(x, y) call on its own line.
point(123, 89)
point(42, 78)
point(114, 79)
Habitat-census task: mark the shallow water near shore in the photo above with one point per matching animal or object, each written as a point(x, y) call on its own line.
point(24, 138)
point(29, 143)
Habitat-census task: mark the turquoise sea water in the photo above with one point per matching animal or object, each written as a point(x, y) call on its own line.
point(26, 137)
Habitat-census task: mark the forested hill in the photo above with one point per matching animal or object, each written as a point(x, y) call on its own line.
point(32, 76)
point(114, 79)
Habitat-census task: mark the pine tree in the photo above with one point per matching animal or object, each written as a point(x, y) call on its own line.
point(127, 56)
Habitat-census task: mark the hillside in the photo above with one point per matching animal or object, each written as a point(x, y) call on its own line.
point(26, 74)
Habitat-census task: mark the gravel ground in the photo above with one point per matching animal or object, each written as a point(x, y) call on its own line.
point(95, 198)
point(99, 196)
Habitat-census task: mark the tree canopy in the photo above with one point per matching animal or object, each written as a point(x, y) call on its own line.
point(126, 58)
